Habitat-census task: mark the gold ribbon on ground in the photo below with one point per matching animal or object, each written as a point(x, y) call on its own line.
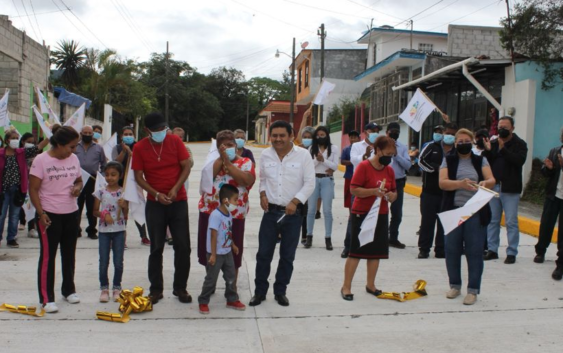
point(22, 309)
point(130, 302)
point(419, 292)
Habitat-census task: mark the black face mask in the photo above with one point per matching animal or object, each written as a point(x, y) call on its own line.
point(322, 140)
point(87, 138)
point(394, 135)
point(385, 160)
point(464, 148)
point(480, 143)
point(503, 133)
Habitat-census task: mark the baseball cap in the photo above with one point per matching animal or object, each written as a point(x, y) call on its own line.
point(372, 126)
point(154, 121)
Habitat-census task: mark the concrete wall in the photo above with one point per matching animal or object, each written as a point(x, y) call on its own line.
point(389, 44)
point(468, 41)
point(342, 64)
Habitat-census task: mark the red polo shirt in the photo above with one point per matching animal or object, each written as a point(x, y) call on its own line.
point(161, 175)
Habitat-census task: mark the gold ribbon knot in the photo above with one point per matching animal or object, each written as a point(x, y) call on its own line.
point(130, 302)
point(419, 291)
point(22, 309)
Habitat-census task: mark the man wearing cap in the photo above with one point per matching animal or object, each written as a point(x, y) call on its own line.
point(354, 137)
point(363, 150)
point(161, 166)
point(401, 164)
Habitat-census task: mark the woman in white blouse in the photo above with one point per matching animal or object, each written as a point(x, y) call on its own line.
point(326, 157)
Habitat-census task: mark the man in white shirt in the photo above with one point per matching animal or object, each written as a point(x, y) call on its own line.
point(287, 179)
point(363, 150)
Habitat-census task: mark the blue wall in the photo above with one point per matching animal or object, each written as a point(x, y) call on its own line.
point(549, 109)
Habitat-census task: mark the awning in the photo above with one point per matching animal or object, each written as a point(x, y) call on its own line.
point(70, 98)
point(388, 65)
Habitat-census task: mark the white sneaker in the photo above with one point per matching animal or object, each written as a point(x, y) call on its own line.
point(32, 234)
point(73, 298)
point(50, 307)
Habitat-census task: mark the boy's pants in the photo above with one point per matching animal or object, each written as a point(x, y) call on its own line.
point(223, 263)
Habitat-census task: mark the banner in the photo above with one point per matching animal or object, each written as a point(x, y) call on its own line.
point(77, 119)
point(109, 145)
point(417, 110)
point(454, 218)
point(4, 120)
point(324, 91)
point(46, 131)
point(85, 177)
point(43, 104)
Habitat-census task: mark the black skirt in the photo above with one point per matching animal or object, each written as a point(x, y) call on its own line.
point(379, 247)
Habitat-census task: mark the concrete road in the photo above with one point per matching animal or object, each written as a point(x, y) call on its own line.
point(520, 308)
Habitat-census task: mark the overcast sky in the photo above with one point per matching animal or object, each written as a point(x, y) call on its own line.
point(240, 33)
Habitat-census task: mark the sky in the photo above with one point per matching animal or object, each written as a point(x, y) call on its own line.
point(243, 34)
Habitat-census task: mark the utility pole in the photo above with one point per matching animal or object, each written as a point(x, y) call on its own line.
point(411, 32)
point(166, 87)
point(291, 104)
point(322, 34)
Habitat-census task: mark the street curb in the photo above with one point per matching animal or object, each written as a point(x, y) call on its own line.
point(526, 225)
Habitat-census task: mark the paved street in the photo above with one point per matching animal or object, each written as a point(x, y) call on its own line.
point(520, 308)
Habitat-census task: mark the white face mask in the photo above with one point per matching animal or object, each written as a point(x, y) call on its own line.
point(14, 144)
point(231, 207)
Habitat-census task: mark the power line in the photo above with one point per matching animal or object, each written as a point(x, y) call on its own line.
point(31, 24)
point(418, 13)
point(33, 11)
point(469, 14)
point(372, 9)
point(135, 24)
point(37, 13)
point(267, 15)
point(72, 23)
point(129, 24)
point(450, 4)
point(79, 20)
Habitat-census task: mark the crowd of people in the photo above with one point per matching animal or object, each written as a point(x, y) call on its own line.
point(294, 180)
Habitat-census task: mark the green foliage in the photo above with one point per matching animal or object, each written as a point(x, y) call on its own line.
point(68, 56)
point(534, 191)
point(345, 107)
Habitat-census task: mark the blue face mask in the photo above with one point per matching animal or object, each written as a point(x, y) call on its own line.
point(437, 137)
point(240, 143)
point(97, 135)
point(128, 140)
point(373, 136)
point(307, 142)
point(449, 139)
point(158, 136)
point(231, 153)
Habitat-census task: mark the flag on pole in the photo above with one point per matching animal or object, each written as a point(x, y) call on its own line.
point(77, 119)
point(417, 110)
point(85, 177)
point(206, 181)
point(454, 218)
point(46, 131)
point(101, 183)
point(109, 145)
point(43, 104)
point(4, 120)
point(53, 118)
point(134, 194)
point(324, 91)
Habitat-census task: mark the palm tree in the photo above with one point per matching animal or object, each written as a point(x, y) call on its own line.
point(69, 57)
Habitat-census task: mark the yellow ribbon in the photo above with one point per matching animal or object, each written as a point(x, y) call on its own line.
point(419, 292)
point(130, 302)
point(22, 309)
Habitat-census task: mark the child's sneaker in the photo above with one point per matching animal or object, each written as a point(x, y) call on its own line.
point(115, 294)
point(50, 307)
point(204, 309)
point(104, 297)
point(145, 241)
point(73, 298)
point(236, 305)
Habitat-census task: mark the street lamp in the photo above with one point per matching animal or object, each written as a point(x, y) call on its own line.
point(291, 104)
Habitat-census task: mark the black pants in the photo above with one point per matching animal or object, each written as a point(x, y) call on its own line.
point(61, 231)
point(551, 210)
point(87, 197)
point(397, 210)
point(429, 208)
point(159, 218)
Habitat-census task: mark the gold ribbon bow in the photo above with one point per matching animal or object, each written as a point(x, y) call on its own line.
point(130, 301)
point(22, 309)
point(419, 292)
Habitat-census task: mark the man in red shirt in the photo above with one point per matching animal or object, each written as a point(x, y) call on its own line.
point(161, 166)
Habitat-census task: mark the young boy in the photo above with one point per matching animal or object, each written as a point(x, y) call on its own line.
point(219, 255)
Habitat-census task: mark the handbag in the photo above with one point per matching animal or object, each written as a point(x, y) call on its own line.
point(19, 198)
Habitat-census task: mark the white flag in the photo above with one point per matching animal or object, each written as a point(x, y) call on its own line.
point(109, 145)
point(134, 194)
point(454, 218)
point(28, 209)
point(53, 118)
point(324, 91)
point(85, 177)
point(46, 131)
point(43, 104)
point(101, 183)
point(417, 110)
point(4, 120)
point(77, 119)
point(206, 181)
point(369, 223)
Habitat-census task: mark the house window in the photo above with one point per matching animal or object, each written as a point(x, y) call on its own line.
point(425, 47)
point(299, 80)
point(307, 74)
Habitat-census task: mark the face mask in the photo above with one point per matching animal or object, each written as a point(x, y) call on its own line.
point(231, 153)
point(14, 144)
point(307, 142)
point(449, 139)
point(385, 160)
point(28, 145)
point(372, 136)
point(480, 143)
point(413, 148)
point(394, 135)
point(240, 143)
point(87, 138)
point(97, 135)
point(322, 140)
point(437, 137)
point(503, 133)
point(231, 207)
point(128, 140)
point(464, 148)
point(158, 136)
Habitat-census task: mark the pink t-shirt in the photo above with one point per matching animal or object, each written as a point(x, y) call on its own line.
point(57, 179)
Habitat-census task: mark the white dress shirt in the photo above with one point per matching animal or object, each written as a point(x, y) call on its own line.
point(284, 180)
point(329, 162)
point(357, 152)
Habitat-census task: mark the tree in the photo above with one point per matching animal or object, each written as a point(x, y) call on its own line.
point(535, 29)
point(68, 56)
point(229, 86)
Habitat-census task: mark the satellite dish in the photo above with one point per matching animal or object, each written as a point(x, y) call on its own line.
point(304, 45)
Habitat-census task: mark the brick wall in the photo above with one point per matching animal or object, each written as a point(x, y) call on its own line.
point(471, 41)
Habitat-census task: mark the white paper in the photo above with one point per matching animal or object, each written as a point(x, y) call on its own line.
point(101, 183)
point(109, 145)
point(324, 91)
point(369, 223)
point(418, 109)
point(454, 218)
point(28, 209)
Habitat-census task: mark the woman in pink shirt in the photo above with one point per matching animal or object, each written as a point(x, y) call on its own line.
point(55, 182)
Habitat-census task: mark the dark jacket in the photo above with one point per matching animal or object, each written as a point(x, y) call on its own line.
point(553, 174)
point(430, 161)
point(22, 164)
point(507, 163)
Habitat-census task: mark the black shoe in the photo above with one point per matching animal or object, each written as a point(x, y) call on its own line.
point(256, 300)
point(309, 242)
point(281, 299)
point(423, 254)
point(13, 244)
point(557, 273)
point(183, 296)
point(539, 259)
point(348, 297)
point(440, 255)
point(93, 236)
point(490, 255)
point(345, 253)
point(375, 292)
point(318, 215)
point(303, 239)
point(396, 244)
point(155, 297)
point(328, 244)
point(510, 259)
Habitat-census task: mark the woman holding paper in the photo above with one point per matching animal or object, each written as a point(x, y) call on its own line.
point(373, 179)
point(461, 175)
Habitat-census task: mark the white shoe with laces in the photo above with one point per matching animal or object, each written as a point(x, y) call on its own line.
point(50, 307)
point(32, 234)
point(73, 298)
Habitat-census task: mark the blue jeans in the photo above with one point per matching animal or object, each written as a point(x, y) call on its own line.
point(509, 203)
point(8, 208)
point(289, 229)
point(324, 189)
point(116, 243)
point(471, 237)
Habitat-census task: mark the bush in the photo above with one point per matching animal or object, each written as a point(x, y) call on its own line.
point(534, 191)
